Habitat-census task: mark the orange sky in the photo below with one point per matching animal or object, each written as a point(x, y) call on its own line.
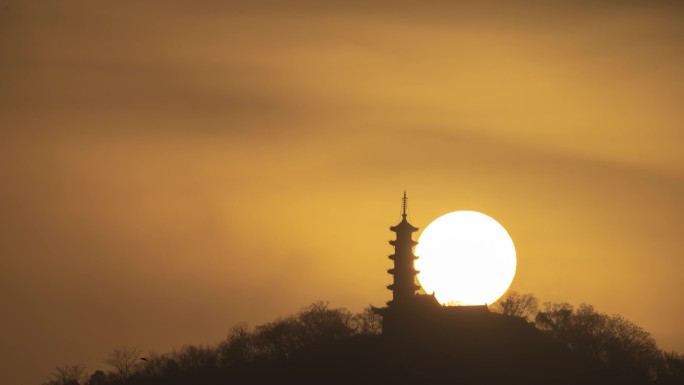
point(171, 168)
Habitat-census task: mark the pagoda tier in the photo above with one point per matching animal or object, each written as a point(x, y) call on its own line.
point(394, 256)
point(392, 271)
point(403, 226)
point(399, 242)
point(393, 286)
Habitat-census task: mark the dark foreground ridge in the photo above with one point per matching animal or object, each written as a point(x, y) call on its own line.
point(320, 345)
point(483, 348)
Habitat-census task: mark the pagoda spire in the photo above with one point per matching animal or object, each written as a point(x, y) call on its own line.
point(404, 205)
point(403, 272)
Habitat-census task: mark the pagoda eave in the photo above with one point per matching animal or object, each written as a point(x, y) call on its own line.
point(403, 225)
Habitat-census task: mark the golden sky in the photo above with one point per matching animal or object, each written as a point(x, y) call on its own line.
point(170, 168)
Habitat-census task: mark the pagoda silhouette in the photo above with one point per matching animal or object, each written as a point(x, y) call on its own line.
point(423, 341)
point(410, 311)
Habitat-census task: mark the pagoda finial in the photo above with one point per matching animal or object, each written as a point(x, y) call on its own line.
point(403, 206)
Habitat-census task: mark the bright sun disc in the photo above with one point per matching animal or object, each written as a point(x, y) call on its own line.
point(465, 258)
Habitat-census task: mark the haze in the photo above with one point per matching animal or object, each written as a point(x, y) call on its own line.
point(171, 168)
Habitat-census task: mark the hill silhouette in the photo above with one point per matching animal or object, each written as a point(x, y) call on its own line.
point(333, 346)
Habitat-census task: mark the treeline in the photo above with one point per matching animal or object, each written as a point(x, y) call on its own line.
point(614, 343)
point(317, 324)
point(610, 339)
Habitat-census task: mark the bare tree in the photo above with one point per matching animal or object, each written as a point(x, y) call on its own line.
point(368, 322)
point(68, 375)
point(319, 322)
point(238, 348)
point(156, 365)
point(278, 339)
point(672, 368)
point(193, 357)
point(518, 305)
point(125, 360)
point(608, 338)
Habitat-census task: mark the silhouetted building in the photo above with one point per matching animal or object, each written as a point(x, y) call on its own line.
point(404, 274)
point(409, 311)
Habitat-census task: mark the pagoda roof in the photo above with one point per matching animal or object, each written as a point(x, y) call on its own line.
point(403, 226)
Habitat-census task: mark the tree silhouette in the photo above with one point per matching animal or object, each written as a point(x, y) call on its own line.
point(320, 323)
point(193, 357)
point(611, 339)
point(98, 378)
point(320, 344)
point(125, 360)
point(68, 375)
point(518, 305)
point(368, 322)
point(278, 340)
point(238, 348)
point(672, 369)
point(152, 365)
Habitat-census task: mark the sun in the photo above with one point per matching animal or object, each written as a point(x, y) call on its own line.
point(465, 258)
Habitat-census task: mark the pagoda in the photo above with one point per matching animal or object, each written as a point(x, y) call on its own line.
point(407, 307)
point(404, 285)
